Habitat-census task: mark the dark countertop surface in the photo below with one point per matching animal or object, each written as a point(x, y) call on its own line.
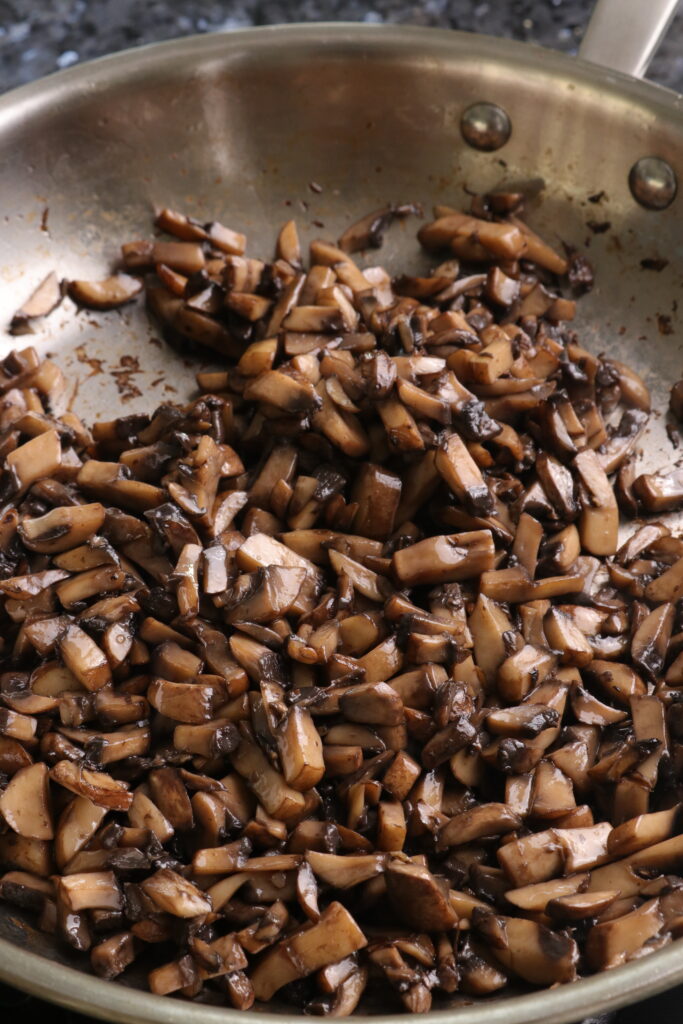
point(41, 36)
point(38, 37)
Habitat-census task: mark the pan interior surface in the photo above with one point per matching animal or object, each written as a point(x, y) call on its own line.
point(324, 123)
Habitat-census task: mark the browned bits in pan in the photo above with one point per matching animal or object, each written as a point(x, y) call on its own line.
point(337, 684)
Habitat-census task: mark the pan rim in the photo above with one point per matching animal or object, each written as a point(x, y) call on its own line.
point(73, 988)
point(91, 74)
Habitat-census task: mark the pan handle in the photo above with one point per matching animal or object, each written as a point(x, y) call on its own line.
point(624, 34)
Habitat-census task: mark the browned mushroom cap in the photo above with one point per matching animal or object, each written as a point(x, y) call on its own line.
point(591, 711)
point(170, 795)
point(107, 294)
point(14, 756)
point(103, 579)
point(626, 874)
point(668, 586)
point(185, 702)
point(173, 976)
point(346, 996)
point(505, 241)
point(43, 300)
point(300, 749)
point(335, 936)
point(25, 803)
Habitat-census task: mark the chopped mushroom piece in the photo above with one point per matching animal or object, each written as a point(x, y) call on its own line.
point(609, 943)
point(478, 823)
point(335, 936)
point(41, 302)
point(445, 559)
point(174, 894)
point(107, 294)
point(102, 789)
point(25, 803)
point(536, 897)
point(530, 950)
point(92, 890)
point(578, 906)
point(343, 872)
point(111, 957)
point(84, 658)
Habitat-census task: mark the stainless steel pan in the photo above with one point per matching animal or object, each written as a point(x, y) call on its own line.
point(236, 126)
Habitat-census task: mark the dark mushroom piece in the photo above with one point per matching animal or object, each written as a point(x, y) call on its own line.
point(45, 297)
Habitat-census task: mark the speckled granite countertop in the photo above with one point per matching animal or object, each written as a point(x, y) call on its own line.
point(41, 36)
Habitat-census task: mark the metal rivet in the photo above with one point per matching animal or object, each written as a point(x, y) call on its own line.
point(653, 183)
point(485, 126)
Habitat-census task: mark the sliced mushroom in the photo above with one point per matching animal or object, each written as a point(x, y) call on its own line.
point(76, 827)
point(478, 823)
point(92, 890)
point(175, 895)
point(599, 520)
point(110, 957)
point(579, 906)
point(445, 559)
point(102, 789)
point(335, 936)
point(25, 803)
point(107, 294)
point(279, 799)
point(609, 943)
point(418, 897)
point(536, 897)
point(46, 297)
point(530, 950)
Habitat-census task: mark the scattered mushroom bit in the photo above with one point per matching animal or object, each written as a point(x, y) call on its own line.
point(336, 681)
